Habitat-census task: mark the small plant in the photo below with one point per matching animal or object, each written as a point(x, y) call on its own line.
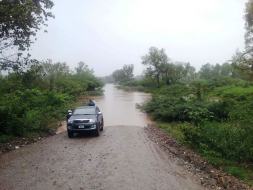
point(236, 172)
point(4, 138)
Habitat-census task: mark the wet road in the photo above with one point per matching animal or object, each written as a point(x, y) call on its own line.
point(122, 158)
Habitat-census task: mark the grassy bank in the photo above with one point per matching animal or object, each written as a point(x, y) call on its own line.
point(242, 170)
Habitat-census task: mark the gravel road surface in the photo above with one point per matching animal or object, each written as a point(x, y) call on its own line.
point(122, 157)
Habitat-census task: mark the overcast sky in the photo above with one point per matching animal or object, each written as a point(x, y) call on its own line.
point(108, 34)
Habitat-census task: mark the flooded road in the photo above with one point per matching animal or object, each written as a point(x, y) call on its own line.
point(118, 107)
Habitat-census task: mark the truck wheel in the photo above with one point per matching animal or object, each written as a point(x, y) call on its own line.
point(102, 126)
point(70, 134)
point(97, 132)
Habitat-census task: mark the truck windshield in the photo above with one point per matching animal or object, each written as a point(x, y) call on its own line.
point(84, 111)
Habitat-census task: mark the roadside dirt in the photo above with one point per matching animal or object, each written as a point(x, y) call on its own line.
point(123, 157)
point(209, 176)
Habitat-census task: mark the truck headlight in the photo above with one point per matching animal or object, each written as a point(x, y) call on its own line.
point(93, 120)
point(70, 121)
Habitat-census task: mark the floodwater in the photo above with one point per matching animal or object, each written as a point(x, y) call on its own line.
point(119, 107)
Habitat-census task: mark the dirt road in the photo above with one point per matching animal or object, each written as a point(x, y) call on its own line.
point(121, 158)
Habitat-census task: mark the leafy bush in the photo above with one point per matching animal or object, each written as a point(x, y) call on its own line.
point(4, 138)
point(132, 83)
point(31, 110)
point(171, 108)
point(97, 92)
point(230, 141)
point(174, 90)
point(219, 90)
point(220, 81)
point(198, 81)
point(220, 109)
point(147, 82)
point(236, 172)
point(238, 92)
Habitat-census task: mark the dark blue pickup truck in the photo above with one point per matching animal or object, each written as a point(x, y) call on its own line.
point(85, 118)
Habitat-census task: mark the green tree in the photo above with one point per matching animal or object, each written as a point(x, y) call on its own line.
point(205, 71)
point(128, 71)
point(243, 65)
point(191, 74)
point(54, 71)
point(86, 77)
point(243, 61)
point(248, 16)
point(173, 72)
point(118, 76)
point(226, 69)
point(216, 70)
point(19, 22)
point(83, 69)
point(123, 75)
point(154, 60)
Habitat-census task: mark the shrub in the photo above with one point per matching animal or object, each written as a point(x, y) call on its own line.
point(220, 81)
point(174, 90)
point(238, 92)
point(30, 110)
point(232, 141)
point(132, 83)
point(236, 172)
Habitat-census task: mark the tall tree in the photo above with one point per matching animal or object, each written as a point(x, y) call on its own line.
point(54, 71)
point(191, 74)
point(119, 76)
point(173, 72)
point(248, 16)
point(205, 71)
point(226, 69)
point(154, 60)
point(243, 61)
point(123, 75)
point(19, 22)
point(128, 70)
point(82, 68)
point(243, 65)
point(216, 69)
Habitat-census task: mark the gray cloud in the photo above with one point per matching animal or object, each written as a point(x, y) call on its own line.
point(108, 34)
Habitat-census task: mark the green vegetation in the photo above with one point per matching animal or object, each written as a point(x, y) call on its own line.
point(34, 95)
point(31, 101)
point(210, 110)
point(123, 75)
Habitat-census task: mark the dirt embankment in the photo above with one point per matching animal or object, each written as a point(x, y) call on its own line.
point(209, 176)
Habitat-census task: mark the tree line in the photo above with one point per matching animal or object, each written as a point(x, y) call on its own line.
point(160, 68)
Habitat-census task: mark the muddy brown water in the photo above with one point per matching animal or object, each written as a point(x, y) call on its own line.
point(119, 107)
